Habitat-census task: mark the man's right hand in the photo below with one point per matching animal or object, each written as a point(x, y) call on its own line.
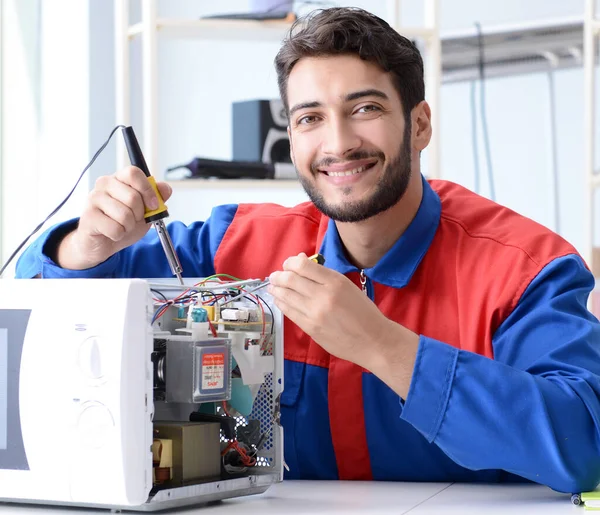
point(113, 219)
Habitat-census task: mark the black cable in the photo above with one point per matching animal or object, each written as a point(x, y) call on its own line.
point(234, 293)
point(214, 295)
point(482, 108)
point(12, 256)
point(160, 293)
point(181, 301)
point(474, 139)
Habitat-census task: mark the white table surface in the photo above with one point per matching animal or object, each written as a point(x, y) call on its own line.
point(316, 497)
point(324, 497)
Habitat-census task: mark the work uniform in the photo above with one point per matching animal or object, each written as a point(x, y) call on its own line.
point(506, 382)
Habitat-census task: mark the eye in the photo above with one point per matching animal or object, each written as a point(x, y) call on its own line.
point(306, 120)
point(368, 108)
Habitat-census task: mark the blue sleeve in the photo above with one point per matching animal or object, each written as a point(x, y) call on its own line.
point(534, 410)
point(196, 246)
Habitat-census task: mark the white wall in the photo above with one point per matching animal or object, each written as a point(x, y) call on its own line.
point(44, 113)
point(20, 117)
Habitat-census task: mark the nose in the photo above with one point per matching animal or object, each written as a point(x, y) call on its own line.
point(340, 138)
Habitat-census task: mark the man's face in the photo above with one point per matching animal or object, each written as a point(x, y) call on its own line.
point(350, 142)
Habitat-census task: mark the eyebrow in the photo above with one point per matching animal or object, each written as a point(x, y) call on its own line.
point(305, 105)
point(348, 98)
point(366, 93)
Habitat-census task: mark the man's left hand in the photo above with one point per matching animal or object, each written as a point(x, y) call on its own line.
point(341, 318)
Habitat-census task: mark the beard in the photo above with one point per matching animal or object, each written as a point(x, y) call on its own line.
point(390, 187)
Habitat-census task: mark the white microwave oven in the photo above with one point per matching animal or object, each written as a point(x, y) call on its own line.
point(138, 394)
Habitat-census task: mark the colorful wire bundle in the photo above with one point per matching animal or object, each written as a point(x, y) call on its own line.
point(189, 295)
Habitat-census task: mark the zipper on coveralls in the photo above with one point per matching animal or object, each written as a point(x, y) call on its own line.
point(365, 285)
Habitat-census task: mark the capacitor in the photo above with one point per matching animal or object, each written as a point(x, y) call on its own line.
point(199, 315)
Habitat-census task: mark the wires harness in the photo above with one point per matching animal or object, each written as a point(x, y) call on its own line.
point(221, 290)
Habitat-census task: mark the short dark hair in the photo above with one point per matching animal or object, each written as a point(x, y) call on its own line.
point(350, 30)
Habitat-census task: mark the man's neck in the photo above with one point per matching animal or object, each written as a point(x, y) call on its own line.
point(367, 242)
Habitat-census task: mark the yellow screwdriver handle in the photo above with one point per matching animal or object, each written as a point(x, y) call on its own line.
point(151, 215)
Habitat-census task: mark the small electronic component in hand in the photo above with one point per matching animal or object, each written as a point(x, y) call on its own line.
point(318, 258)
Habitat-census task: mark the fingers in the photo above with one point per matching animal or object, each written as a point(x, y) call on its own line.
point(128, 197)
point(307, 268)
point(294, 288)
point(112, 220)
point(135, 178)
point(292, 281)
point(133, 192)
point(165, 190)
point(292, 312)
point(289, 298)
point(108, 227)
point(111, 217)
point(118, 203)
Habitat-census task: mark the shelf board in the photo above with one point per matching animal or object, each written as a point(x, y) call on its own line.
point(508, 50)
point(236, 30)
point(235, 183)
point(513, 49)
point(211, 29)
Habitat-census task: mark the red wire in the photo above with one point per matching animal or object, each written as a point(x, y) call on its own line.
point(258, 301)
point(224, 404)
point(163, 310)
point(246, 460)
point(216, 297)
point(212, 328)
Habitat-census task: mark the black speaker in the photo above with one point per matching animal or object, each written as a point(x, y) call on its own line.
point(260, 132)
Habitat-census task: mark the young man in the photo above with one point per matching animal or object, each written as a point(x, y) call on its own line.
point(446, 339)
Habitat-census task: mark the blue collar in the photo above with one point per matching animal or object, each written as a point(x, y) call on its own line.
point(399, 263)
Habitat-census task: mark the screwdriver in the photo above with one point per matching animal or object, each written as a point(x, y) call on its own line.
point(153, 216)
point(317, 258)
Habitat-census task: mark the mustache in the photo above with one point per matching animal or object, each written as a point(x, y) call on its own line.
point(355, 156)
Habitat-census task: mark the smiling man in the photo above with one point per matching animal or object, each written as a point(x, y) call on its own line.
point(445, 339)
point(348, 138)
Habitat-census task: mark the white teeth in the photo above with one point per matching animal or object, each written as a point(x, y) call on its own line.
point(349, 172)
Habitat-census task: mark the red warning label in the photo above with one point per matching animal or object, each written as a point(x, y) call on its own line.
point(213, 371)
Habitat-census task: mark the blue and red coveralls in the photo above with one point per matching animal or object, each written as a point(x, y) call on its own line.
point(507, 377)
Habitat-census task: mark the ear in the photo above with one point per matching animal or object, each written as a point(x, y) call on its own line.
point(291, 146)
point(421, 125)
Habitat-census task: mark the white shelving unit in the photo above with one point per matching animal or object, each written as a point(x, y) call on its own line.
point(590, 44)
point(152, 28)
point(513, 49)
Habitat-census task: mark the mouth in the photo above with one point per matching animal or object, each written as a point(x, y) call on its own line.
point(347, 173)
